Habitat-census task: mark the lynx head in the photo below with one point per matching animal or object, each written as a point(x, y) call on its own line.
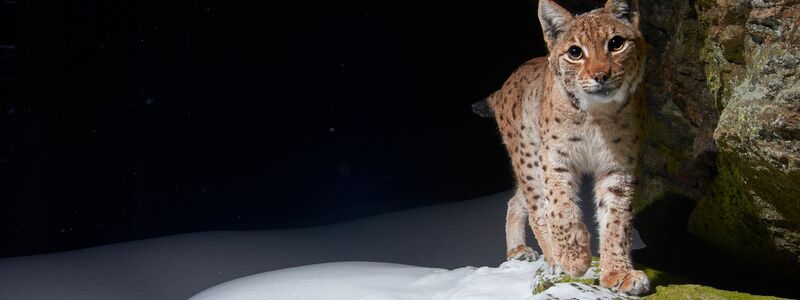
point(598, 57)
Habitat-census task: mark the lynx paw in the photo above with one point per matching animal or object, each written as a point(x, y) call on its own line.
point(522, 253)
point(631, 282)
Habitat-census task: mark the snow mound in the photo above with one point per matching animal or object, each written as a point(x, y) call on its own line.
point(367, 280)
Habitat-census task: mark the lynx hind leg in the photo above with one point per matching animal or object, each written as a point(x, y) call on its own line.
point(516, 249)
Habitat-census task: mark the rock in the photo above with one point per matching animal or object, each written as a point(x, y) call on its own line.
point(549, 285)
point(753, 208)
point(678, 154)
point(544, 279)
point(723, 126)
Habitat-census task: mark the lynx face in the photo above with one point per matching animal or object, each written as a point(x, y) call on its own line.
point(598, 56)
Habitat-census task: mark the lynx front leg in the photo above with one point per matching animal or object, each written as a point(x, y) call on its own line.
point(569, 237)
point(538, 222)
point(515, 230)
point(614, 192)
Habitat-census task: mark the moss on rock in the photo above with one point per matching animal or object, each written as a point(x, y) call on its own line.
point(698, 292)
point(663, 285)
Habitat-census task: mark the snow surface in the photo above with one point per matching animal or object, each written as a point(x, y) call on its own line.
point(447, 236)
point(368, 281)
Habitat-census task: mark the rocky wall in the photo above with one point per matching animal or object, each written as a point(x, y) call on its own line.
point(724, 122)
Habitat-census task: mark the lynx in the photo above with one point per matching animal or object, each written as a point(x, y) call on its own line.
point(577, 111)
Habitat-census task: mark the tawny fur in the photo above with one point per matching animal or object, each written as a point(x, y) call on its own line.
point(556, 128)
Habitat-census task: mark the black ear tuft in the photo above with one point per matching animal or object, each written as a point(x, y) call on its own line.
point(554, 19)
point(620, 9)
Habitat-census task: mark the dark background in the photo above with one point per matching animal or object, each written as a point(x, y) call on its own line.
point(125, 120)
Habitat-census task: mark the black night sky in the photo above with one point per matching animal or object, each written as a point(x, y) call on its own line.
point(125, 120)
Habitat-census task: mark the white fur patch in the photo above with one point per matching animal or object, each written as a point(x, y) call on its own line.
point(620, 95)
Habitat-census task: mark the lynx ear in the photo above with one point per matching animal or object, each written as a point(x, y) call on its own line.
point(554, 19)
point(625, 10)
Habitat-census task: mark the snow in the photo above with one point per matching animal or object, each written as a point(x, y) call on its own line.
point(362, 280)
point(450, 236)
point(372, 280)
point(365, 280)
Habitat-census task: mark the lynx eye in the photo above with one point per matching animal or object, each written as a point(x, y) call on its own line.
point(616, 43)
point(575, 52)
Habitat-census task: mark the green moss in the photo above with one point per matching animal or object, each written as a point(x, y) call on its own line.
point(659, 278)
point(715, 69)
point(692, 292)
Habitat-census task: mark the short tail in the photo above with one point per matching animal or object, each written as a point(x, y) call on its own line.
point(483, 109)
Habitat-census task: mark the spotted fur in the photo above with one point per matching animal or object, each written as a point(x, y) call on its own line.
point(563, 116)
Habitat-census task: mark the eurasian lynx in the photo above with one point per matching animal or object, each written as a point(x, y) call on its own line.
point(577, 111)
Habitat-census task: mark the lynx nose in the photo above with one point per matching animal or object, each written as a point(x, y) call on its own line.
point(600, 77)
